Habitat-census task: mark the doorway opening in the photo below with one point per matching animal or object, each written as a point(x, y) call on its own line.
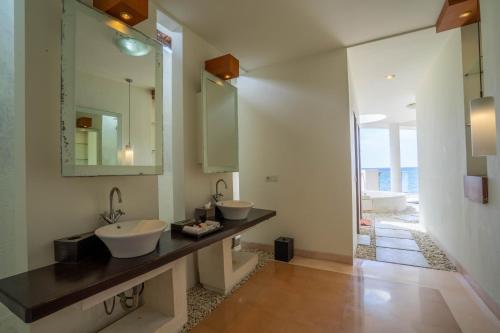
point(384, 78)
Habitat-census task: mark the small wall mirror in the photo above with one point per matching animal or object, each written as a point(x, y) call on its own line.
point(220, 125)
point(111, 113)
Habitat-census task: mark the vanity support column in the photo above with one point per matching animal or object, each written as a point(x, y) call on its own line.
point(163, 308)
point(221, 268)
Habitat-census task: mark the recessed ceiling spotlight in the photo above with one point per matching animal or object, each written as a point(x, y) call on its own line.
point(412, 106)
point(390, 77)
point(465, 14)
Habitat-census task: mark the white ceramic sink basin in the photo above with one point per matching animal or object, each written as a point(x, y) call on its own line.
point(235, 209)
point(131, 238)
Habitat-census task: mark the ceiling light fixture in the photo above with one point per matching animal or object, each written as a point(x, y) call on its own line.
point(132, 46)
point(390, 77)
point(465, 14)
point(127, 154)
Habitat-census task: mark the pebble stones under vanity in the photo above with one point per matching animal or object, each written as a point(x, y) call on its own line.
point(202, 301)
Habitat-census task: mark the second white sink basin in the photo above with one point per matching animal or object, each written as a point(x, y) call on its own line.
point(131, 238)
point(235, 209)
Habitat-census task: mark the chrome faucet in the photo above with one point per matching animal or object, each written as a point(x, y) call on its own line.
point(114, 215)
point(218, 195)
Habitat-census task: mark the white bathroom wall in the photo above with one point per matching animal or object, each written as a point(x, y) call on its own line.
point(13, 253)
point(198, 186)
point(468, 231)
point(166, 181)
point(189, 52)
point(294, 123)
point(61, 206)
point(441, 143)
point(354, 119)
point(171, 183)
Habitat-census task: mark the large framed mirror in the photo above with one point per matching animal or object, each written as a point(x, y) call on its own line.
point(111, 98)
point(219, 125)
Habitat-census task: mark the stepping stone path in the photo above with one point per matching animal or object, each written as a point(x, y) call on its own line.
point(364, 240)
point(396, 245)
point(394, 233)
point(404, 257)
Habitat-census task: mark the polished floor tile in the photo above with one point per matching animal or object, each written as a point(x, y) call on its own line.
point(397, 243)
point(290, 298)
point(393, 233)
point(471, 314)
point(404, 257)
point(364, 240)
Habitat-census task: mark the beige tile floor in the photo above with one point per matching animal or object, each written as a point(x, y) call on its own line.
point(293, 298)
point(469, 311)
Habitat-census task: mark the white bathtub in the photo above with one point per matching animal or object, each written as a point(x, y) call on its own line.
point(383, 201)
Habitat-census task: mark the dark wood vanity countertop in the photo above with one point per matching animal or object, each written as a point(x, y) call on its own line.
point(40, 292)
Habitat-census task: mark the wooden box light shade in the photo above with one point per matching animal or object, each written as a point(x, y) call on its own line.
point(128, 11)
point(84, 122)
point(225, 67)
point(457, 13)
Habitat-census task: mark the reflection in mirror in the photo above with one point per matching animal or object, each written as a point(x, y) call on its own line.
point(112, 96)
point(97, 137)
point(220, 125)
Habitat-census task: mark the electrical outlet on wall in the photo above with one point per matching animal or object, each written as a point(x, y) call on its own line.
point(271, 179)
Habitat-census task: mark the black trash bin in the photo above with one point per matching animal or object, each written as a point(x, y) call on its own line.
point(283, 249)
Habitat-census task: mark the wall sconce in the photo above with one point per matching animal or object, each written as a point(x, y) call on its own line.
point(482, 115)
point(131, 12)
point(225, 67)
point(483, 126)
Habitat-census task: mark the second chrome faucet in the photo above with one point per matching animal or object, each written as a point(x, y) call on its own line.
point(113, 215)
point(218, 195)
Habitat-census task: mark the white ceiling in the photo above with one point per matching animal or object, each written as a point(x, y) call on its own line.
point(408, 57)
point(263, 32)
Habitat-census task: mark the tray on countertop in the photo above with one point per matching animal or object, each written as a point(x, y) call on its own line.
point(178, 227)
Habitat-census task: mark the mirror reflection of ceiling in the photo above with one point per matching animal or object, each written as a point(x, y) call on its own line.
point(97, 54)
point(407, 57)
